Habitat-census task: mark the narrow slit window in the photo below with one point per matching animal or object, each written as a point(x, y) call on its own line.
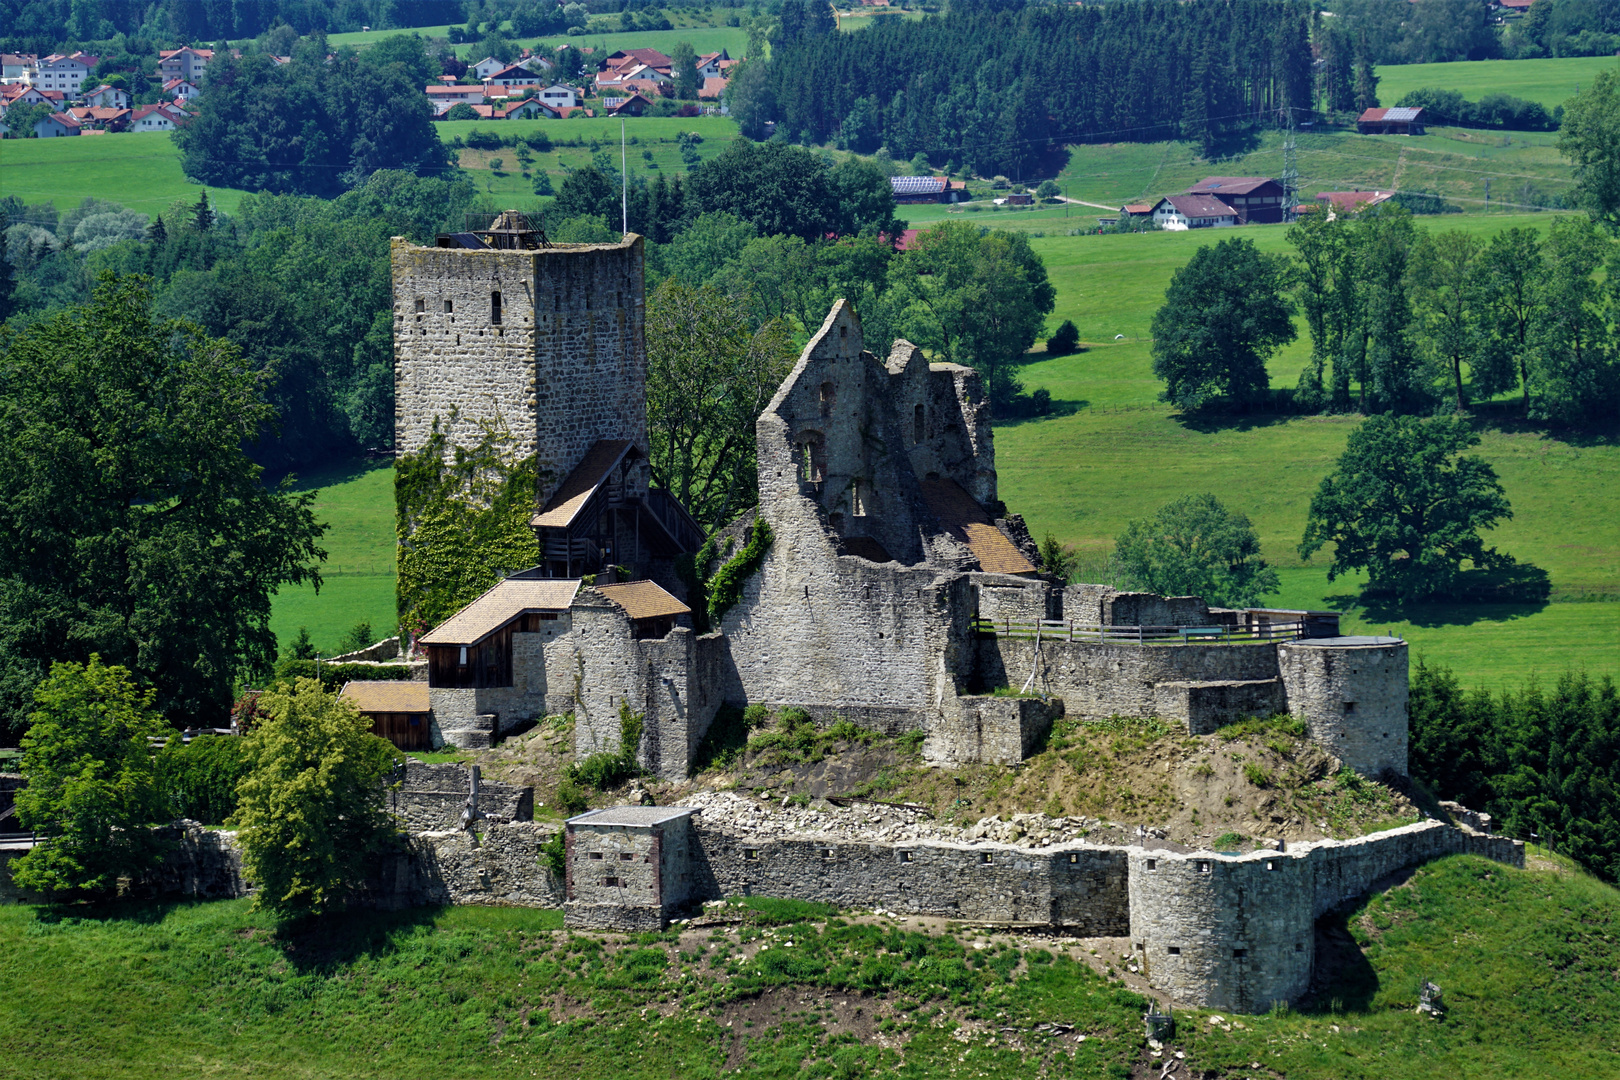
point(1074, 858)
point(1175, 950)
point(984, 858)
point(1271, 864)
point(495, 308)
point(1203, 867)
point(625, 856)
point(905, 856)
point(750, 853)
point(826, 853)
point(1240, 954)
point(1299, 946)
point(596, 854)
point(918, 426)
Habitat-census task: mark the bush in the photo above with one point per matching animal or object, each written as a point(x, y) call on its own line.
point(333, 676)
point(482, 139)
point(197, 780)
point(1064, 340)
point(1228, 841)
point(1048, 191)
point(602, 770)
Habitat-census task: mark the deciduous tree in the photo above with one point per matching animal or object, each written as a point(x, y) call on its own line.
point(92, 787)
point(1590, 138)
point(708, 378)
point(1224, 315)
point(1195, 546)
point(310, 813)
point(132, 524)
point(1405, 504)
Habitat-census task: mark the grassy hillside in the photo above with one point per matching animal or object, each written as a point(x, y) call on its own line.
point(1550, 82)
point(782, 989)
point(139, 169)
point(357, 504)
point(703, 39)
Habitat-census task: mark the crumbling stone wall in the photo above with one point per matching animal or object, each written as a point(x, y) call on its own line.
point(1352, 693)
point(1097, 680)
point(1082, 888)
point(948, 415)
point(991, 730)
point(497, 864)
point(430, 798)
point(674, 682)
point(565, 366)
point(1205, 706)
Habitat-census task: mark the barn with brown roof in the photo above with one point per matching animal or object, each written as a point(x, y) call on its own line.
point(1400, 120)
point(1255, 200)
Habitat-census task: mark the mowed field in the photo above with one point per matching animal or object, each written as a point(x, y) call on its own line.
point(1551, 82)
point(1119, 454)
point(138, 169)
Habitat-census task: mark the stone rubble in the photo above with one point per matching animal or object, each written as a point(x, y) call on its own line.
point(876, 823)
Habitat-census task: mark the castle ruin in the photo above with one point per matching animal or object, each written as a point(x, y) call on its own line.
point(897, 592)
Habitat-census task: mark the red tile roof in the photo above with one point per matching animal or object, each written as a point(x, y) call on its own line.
point(1230, 185)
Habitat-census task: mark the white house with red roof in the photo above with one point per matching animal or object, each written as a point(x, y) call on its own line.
point(107, 97)
point(488, 66)
point(21, 94)
point(1178, 213)
point(181, 89)
point(445, 98)
point(159, 117)
point(184, 63)
point(100, 118)
point(66, 74)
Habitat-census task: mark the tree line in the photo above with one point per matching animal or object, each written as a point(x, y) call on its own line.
point(1401, 320)
point(1543, 758)
point(994, 86)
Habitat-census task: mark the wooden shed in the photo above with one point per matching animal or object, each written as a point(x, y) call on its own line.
point(473, 648)
point(398, 710)
point(652, 610)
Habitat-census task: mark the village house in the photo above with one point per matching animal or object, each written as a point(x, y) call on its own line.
point(22, 94)
point(634, 105)
point(559, 96)
point(1254, 200)
point(107, 97)
point(709, 64)
point(1402, 120)
point(159, 117)
point(1179, 212)
point(512, 76)
point(444, 98)
point(98, 118)
point(488, 66)
point(180, 89)
point(712, 89)
point(66, 74)
point(56, 126)
point(18, 67)
point(185, 63)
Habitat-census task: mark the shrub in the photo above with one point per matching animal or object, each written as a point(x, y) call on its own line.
point(1064, 340)
point(333, 676)
point(569, 799)
point(554, 853)
point(1229, 841)
point(1256, 775)
point(197, 780)
point(480, 139)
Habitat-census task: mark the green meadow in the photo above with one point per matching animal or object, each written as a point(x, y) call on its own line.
point(1551, 81)
point(139, 169)
point(356, 503)
point(790, 989)
point(703, 39)
point(1115, 453)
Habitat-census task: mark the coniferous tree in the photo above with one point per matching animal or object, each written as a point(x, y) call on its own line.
point(819, 20)
point(157, 232)
point(8, 280)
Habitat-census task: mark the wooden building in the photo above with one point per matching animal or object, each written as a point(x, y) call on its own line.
point(652, 611)
point(473, 648)
point(398, 710)
point(1255, 200)
point(1401, 120)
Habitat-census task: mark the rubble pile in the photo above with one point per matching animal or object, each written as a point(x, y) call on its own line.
point(888, 823)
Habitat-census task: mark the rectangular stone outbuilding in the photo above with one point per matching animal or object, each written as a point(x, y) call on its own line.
point(628, 867)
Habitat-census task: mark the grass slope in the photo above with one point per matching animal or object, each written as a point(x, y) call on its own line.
point(357, 504)
point(1525, 959)
point(1551, 82)
point(703, 39)
point(141, 170)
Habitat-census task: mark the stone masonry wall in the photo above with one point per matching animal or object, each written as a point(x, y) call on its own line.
point(1205, 706)
point(991, 730)
point(469, 717)
point(1101, 680)
point(566, 365)
point(1224, 933)
point(1353, 698)
point(627, 878)
point(431, 797)
point(1082, 888)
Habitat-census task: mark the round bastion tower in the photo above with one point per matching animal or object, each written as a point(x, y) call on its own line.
point(1352, 692)
point(1224, 932)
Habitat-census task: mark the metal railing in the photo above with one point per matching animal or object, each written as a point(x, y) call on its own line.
point(1073, 630)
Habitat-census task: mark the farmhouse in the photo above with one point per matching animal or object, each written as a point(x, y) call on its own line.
point(1254, 200)
point(1402, 120)
point(184, 63)
point(1350, 202)
point(1180, 212)
point(920, 189)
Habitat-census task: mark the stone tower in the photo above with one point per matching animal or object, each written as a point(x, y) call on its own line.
point(548, 340)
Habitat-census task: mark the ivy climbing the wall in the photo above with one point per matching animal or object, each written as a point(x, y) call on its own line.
point(462, 521)
point(724, 589)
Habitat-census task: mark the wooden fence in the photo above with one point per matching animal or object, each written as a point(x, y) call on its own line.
point(1072, 630)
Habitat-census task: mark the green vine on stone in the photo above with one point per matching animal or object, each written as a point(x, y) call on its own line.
point(725, 588)
point(693, 570)
point(462, 521)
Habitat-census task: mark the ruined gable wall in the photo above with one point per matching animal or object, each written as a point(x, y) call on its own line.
point(944, 417)
point(566, 366)
point(884, 645)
